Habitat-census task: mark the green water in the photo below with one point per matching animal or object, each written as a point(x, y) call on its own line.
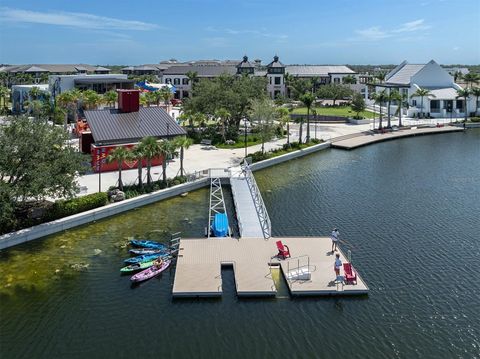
point(409, 209)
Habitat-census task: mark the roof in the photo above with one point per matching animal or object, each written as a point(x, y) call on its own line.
point(245, 63)
point(317, 70)
point(52, 68)
point(102, 80)
point(275, 63)
point(111, 126)
point(201, 70)
point(101, 68)
point(35, 69)
point(404, 74)
point(447, 93)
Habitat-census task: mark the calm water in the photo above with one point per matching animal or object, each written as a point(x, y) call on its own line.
point(410, 210)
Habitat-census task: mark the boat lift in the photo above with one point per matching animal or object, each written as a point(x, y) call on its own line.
point(217, 209)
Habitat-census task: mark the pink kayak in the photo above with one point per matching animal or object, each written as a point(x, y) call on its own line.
point(151, 272)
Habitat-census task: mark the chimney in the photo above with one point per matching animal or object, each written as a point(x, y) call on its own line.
point(128, 100)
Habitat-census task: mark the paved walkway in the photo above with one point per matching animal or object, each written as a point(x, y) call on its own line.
point(199, 157)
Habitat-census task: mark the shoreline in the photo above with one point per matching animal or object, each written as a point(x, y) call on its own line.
point(42, 230)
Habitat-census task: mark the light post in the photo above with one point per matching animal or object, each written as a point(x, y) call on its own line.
point(314, 113)
point(245, 134)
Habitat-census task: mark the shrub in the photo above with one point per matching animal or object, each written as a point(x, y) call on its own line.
point(475, 119)
point(64, 208)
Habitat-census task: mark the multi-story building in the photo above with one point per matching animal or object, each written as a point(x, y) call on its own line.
point(442, 100)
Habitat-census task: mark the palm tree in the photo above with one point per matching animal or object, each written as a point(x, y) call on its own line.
point(475, 91)
point(166, 149)
point(307, 99)
point(150, 97)
point(422, 93)
point(91, 100)
point(381, 76)
point(138, 155)
point(151, 149)
point(471, 78)
point(35, 93)
point(3, 96)
point(119, 155)
point(465, 93)
point(110, 97)
point(192, 77)
point(66, 101)
point(222, 114)
point(284, 118)
point(183, 143)
point(380, 98)
point(399, 98)
point(166, 95)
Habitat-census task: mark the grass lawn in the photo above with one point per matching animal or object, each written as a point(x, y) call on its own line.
point(345, 111)
point(251, 141)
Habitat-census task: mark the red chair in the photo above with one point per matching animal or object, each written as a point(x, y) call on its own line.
point(350, 274)
point(283, 250)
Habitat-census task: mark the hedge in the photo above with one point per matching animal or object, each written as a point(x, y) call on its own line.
point(64, 208)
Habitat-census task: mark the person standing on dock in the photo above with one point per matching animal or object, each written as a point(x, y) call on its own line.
point(335, 238)
point(337, 265)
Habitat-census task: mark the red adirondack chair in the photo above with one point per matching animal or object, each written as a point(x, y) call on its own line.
point(283, 250)
point(350, 274)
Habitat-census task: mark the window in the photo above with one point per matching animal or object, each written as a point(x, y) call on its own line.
point(270, 80)
point(447, 105)
point(435, 105)
point(336, 80)
point(278, 80)
point(185, 81)
point(185, 93)
point(168, 81)
point(176, 81)
point(459, 105)
point(276, 94)
point(414, 102)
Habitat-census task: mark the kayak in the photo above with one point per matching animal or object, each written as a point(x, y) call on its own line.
point(151, 272)
point(141, 251)
point(147, 244)
point(145, 258)
point(137, 266)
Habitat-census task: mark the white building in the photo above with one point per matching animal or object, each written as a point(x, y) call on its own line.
point(442, 101)
point(100, 83)
point(21, 94)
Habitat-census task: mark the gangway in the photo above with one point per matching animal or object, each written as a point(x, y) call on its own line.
point(217, 207)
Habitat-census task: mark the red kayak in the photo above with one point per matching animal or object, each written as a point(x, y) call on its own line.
point(151, 272)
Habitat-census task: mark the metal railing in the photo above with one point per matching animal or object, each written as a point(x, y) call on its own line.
point(305, 259)
point(257, 200)
point(217, 202)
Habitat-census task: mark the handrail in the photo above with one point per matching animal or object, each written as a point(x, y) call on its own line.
point(257, 200)
point(298, 262)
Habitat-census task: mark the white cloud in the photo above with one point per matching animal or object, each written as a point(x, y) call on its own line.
point(372, 33)
point(72, 19)
point(258, 33)
point(415, 25)
point(376, 33)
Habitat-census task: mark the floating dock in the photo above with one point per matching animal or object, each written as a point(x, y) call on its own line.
point(199, 263)
point(358, 141)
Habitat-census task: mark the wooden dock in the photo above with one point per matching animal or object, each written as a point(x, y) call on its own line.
point(354, 142)
point(198, 270)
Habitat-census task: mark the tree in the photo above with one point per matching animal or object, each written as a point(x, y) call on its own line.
point(334, 92)
point(91, 100)
point(475, 91)
point(233, 93)
point(4, 92)
point(192, 77)
point(349, 80)
point(284, 118)
point(119, 155)
point(471, 78)
point(35, 163)
point(380, 98)
point(358, 104)
point(150, 97)
point(298, 87)
point(222, 115)
point(381, 76)
point(110, 98)
point(66, 101)
point(166, 95)
point(166, 149)
point(465, 93)
point(262, 115)
point(307, 100)
point(398, 98)
point(138, 155)
point(183, 143)
point(151, 149)
point(422, 93)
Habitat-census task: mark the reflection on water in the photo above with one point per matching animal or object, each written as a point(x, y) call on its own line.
point(408, 209)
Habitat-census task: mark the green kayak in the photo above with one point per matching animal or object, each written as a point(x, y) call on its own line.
point(137, 266)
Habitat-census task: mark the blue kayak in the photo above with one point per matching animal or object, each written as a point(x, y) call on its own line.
point(220, 225)
point(145, 258)
point(147, 244)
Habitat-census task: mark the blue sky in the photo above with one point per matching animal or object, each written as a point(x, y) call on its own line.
point(320, 32)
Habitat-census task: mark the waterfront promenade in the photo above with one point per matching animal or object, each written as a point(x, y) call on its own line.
point(198, 157)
